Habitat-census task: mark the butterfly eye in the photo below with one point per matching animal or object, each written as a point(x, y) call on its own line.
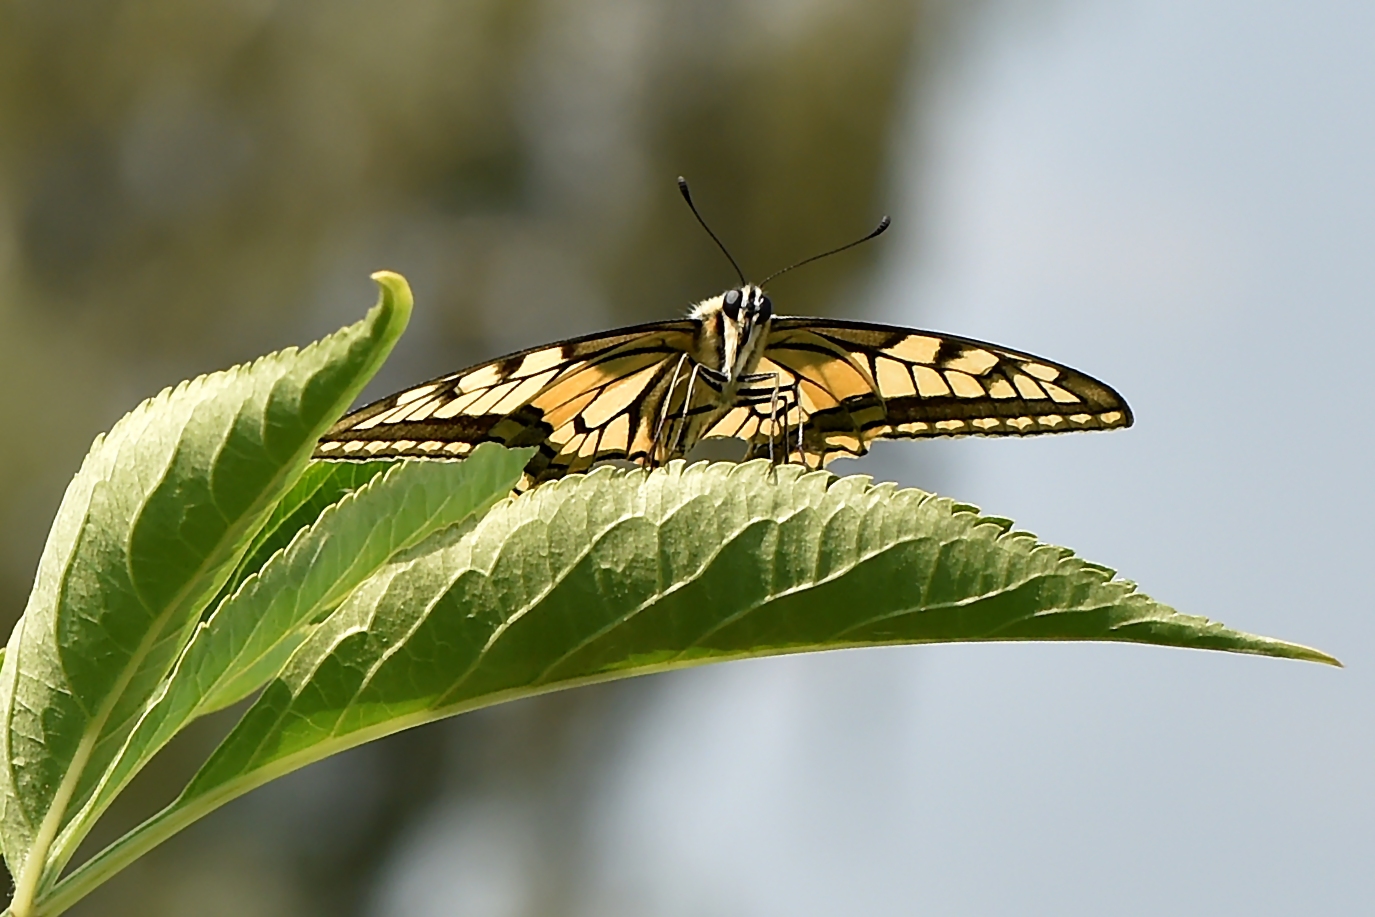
point(765, 309)
point(732, 305)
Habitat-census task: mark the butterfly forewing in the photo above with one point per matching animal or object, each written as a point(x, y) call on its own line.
point(850, 383)
point(579, 401)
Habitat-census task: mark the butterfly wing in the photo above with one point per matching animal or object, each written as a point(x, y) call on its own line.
point(580, 401)
point(843, 385)
point(822, 389)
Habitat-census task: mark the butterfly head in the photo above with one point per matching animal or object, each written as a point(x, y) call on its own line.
point(747, 306)
point(733, 328)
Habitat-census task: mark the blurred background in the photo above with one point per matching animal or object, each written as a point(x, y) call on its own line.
point(1176, 196)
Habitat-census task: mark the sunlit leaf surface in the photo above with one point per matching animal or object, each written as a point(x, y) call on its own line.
point(625, 573)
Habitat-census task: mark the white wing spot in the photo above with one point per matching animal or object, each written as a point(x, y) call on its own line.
point(489, 400)
point(1042, 372)
point(539, 361)
point(457, 406)
point(422, 391)
point(1001, 388)
point(916, 347)
point(1060, 395)
point(894, 380)
point(973, 361)
point(964, 385)
point(929, 382)
point(480, 378)
point(1027, 388)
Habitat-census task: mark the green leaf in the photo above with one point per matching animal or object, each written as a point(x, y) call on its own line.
point(319, 486)
point(248, 638)
point(351, 540)
point(162, 510)
point(617, 573)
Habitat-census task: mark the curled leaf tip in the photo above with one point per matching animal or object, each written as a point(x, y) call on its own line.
point(386, 277)
point(394, 304)
point(394, 294)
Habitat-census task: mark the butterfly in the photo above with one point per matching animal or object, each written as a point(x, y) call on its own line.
point(795, 390)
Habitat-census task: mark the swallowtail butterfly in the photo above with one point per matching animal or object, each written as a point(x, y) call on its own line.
point(800, 390)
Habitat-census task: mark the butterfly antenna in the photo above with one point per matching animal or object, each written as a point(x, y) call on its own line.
point(687, 196)
point(883, 224)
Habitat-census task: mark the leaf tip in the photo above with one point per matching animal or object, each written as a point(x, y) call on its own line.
point(1309, 654)
point(1283, 649)
point(394, 297)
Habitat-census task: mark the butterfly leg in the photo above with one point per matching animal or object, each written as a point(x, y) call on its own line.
point(773, 424)
point(782, 400)
point(773, 420)
point(755, 397)
point(795, 405)
point(667, 410)
point(687, 409)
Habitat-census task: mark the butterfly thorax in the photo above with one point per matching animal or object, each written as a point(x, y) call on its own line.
point(729, 341)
